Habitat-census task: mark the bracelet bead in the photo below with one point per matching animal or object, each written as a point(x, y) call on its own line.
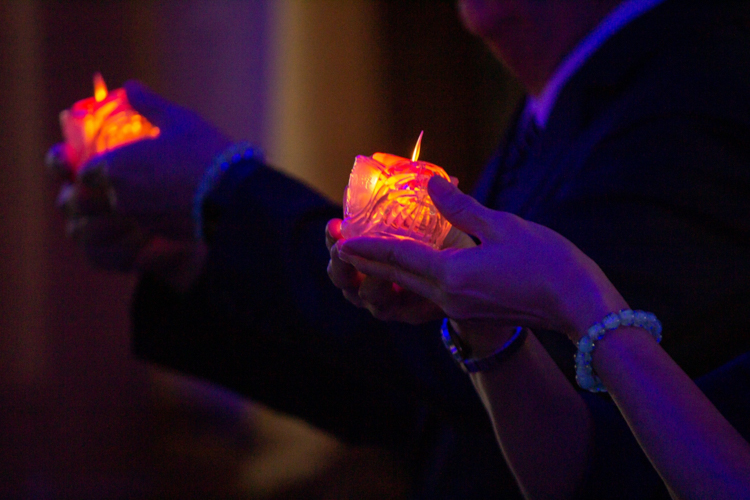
point(585, 375)
point(231, 156)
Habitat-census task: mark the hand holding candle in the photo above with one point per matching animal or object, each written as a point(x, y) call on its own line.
point(387, 195)
point(148, 185)
point(98, 124)
point(521, 273)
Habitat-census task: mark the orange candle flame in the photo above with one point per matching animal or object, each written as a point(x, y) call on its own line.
point(415, 154)
point(100, 88)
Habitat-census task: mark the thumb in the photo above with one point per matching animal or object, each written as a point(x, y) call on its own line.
point(460, 209)
point(147, 102)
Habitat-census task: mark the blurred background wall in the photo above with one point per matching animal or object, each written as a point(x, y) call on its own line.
point(315, 83)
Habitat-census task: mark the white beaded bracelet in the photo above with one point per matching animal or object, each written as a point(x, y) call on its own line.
point(585, 375)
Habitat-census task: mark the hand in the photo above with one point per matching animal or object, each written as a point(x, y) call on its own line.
point(131, 208)
point(384, 299)
point(521, 273)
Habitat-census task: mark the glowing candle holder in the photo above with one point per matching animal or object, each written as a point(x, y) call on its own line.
point(387, 195)
point(101, 123)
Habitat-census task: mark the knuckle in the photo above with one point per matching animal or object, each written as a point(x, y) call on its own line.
point(338, 278)
point(379, 313)
point(392, 256)
point(352, 296)
point(461, 204)
point(449, 279)
point(391, 275)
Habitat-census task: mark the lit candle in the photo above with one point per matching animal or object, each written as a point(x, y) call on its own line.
point(387, 195)
point(101, 123)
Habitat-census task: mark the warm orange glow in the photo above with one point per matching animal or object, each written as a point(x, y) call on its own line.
point(387, 195)
point(100, 88)
point(101, 123)
point(415, 154)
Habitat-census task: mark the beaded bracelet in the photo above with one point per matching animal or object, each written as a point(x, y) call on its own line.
point(234, 154)
point(585, 375)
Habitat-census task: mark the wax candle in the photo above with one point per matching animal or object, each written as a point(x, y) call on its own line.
point(387, 196)
point(101, 123)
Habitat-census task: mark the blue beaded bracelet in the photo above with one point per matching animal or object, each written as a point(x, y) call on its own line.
point(585, 375)
point(234, 154)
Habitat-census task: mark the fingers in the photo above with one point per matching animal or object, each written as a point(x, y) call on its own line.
point(389, 293)
point(458, 239)
point(377, 295)
point(345, 277)
point(148, 103)
point(412, 256)
point(386, 273)
point(460, 209)
point(387, 301)
point(58, 162)
point(109, 242)
point(342, 274)
point(79, 200)
point(128, 172)
point(95, 174)
point(333, 232)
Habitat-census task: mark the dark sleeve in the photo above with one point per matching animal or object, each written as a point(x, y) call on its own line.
point(264, 320)
point(664, 211)
point(663, 206)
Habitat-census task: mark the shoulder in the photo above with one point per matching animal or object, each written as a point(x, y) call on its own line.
point(689, 56)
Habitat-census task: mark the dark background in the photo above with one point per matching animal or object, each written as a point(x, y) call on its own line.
point(79, 416)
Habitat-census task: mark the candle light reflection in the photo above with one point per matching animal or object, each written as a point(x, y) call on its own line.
point(101, 123)
point(387, 196)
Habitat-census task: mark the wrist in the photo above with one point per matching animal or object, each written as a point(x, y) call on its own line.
point(472, 362)
point(584, 296)
point(482, 337)
point(601, 331)
point(218, 185)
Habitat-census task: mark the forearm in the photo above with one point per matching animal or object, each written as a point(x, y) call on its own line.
point(695, 450)
point(541, 423)
point(697, 453)
point(263, 320)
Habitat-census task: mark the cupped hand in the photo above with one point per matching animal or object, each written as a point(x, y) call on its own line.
point(521, 273)
point(384, 299)
point(132, 206)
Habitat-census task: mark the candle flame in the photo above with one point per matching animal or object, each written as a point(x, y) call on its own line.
point(415, 154)
point(100, 88)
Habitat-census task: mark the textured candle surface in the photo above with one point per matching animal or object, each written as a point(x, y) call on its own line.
point(387, 195)
point(101, 123)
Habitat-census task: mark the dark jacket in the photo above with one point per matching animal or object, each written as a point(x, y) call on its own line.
point(644, 165)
